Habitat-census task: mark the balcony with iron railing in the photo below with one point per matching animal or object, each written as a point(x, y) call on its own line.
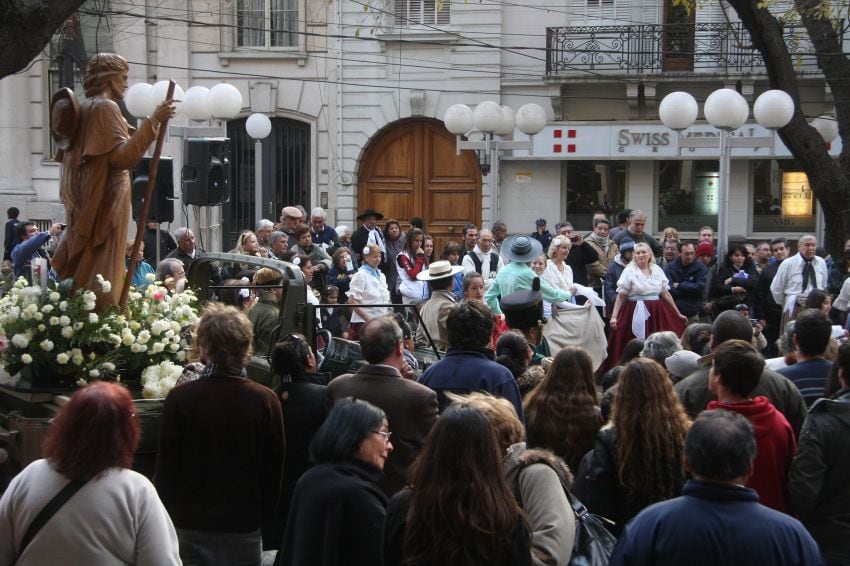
point(647, 49)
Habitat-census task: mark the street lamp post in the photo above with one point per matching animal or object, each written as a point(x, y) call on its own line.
point(258, 127)
point(726, 110)
point(492, 120)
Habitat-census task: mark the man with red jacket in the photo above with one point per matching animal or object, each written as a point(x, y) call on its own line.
point(734, 374)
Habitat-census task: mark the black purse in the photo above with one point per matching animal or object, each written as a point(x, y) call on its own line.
point(594, 543)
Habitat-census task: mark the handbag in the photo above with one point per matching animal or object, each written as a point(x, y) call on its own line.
point(594, 543)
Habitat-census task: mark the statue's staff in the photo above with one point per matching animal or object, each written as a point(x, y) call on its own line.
point(146, 204)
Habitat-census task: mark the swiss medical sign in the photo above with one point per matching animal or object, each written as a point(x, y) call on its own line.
point(635, 140)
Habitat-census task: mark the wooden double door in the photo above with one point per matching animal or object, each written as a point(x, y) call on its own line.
point(412, 169)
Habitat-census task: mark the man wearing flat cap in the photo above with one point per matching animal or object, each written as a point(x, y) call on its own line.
point(291, 217)
point(369, 233)
point(518, 275)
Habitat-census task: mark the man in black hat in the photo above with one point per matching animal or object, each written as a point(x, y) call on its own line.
point(369, 233)
point(518, 275)
point(524, 313)
point(541, 233)
point(435, 311)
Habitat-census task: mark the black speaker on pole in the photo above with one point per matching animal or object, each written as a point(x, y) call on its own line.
point(206, 171)
point(162, 205)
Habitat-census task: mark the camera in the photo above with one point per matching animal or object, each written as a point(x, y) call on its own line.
point(574, 238)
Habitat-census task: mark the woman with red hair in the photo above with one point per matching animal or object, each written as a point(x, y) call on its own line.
point(116, 516)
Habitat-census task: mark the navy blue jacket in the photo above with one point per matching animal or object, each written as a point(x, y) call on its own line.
point(23, 253)
point(691, 285)
point(714, 524)
point(464, 370)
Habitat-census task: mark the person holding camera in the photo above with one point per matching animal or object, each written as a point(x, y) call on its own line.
point(581, 255)
point(29, 247)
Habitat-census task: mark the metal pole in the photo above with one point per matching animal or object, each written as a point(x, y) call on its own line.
point(258, 180)
point(723, 197)
point(494, 182)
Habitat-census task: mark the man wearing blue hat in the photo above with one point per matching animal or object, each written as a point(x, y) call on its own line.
point(518, 275)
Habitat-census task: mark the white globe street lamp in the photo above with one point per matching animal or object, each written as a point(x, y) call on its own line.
point(726, 110)
point(258, 127)
point(225, 101)
point(489, 120)
point(195, 103)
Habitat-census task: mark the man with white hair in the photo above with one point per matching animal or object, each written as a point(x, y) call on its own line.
point(186, 251)
point(263, 231)
point(483, 259)
point(323, 235)
point(797, 276)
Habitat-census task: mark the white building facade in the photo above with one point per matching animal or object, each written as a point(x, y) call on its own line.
point(356, 90)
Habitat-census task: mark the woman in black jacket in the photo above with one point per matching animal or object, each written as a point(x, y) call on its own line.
point(337, 512)
point(734, 282)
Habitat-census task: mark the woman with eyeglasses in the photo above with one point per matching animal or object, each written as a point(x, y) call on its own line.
point(337, 512)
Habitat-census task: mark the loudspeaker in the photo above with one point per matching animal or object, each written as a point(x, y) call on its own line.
point(162, 207)
point(206, 171)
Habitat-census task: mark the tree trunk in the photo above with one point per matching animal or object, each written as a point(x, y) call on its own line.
point(26, 27)
point(829, 178)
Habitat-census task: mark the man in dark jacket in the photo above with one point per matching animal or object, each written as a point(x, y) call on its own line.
point(716, 520)
point(695, 396)
point(581, 255)
point(153, 236)
point(687, 281)
point(10, 240)
point(766, 310)
point(818, 485)
point(468, 365)
point(411, 408)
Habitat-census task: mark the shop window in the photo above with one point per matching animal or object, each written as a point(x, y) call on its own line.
point(782, 198)
point(687, 194)
point(593, 186)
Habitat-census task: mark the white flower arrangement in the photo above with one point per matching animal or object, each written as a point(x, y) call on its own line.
point(83, 344)
point(159, 379)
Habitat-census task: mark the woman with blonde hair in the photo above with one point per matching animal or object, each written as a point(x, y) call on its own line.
point(643, 305)
point(638, 459)
point(538, 478)
point(562, 413)
point(557, 273)
point(247, 244)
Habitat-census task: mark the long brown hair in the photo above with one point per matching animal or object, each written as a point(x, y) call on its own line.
point(462, 511)
point(562, 413)
point(651, 426)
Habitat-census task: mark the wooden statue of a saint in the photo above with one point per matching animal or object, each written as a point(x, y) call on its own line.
point(97, 150)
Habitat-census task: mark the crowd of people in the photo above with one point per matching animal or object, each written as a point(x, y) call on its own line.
point(697, 403)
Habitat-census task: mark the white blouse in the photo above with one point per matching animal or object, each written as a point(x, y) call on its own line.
point(633, 281)
point(558, 279)
point(367, 289)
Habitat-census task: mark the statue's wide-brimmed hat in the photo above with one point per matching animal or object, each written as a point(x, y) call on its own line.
point(521, 249)
point(370, 212)
point(64, 117)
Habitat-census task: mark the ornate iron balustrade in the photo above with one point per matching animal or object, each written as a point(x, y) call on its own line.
point(636, 49)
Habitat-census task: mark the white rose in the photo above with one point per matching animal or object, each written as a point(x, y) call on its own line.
point(26, 358)
point(151, 277)
point(157, 347)
point(94, 373)
point(47, 309)
point(63, 306)
point(108, 366)
point(54, 296)
point(62, 358)
point(67, 332)
point(54, 320)
point(127, 339)
point(88, 306)
point(174, 347)
point(21, 340)
point(82, 382)
point(38, 316)
point(78, 326)
point(64, 320)
point(46, 345)
point(93, 317)
point(77, 359)
point(41, 328)
point(144, 336)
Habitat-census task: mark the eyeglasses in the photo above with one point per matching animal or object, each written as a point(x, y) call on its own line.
point(386, 434)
